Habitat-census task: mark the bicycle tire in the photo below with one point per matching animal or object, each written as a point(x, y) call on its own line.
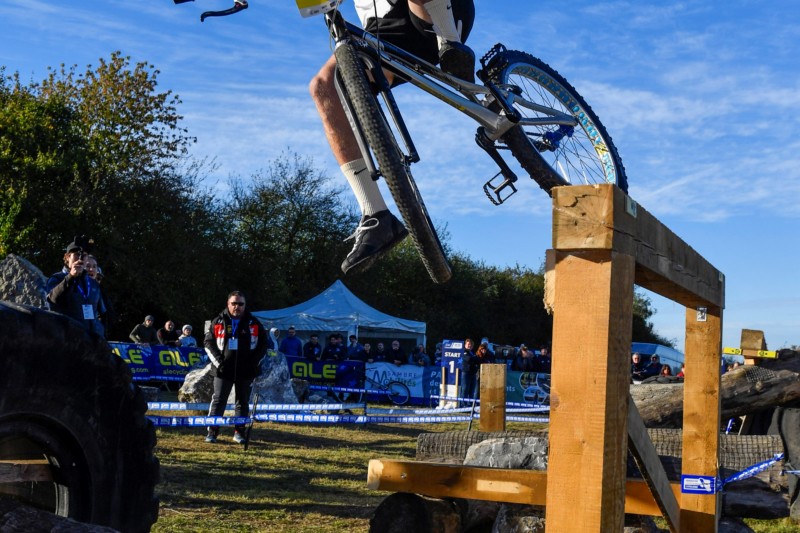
point(398, 392)
point(585, 155)
point(391, 163)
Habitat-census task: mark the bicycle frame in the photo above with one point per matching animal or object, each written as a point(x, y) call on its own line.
point(469, 98)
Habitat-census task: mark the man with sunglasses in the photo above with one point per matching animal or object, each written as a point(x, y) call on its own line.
point(235, 343)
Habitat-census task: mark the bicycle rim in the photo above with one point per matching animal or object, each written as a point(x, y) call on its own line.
point(391, 163)
point(579, 154)
point(398, 393)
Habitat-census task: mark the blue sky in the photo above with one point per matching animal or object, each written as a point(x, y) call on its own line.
point(701, 100)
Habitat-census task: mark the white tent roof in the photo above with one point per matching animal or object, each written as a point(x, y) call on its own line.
point(338, 309)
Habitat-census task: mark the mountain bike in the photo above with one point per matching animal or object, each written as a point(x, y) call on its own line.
point(523, 106)
point(397, 392)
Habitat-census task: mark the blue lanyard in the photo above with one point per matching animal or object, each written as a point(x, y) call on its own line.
point(234, 326)
point(88, 290)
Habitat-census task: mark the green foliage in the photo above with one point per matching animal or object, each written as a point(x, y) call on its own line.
point(102, 153)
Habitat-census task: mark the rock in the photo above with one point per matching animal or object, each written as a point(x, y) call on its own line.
point(21, 282)
point(301, 389)
point(527, 453)
point(150, 393)
point(516, 518)
point(198, 385)
point(15, 517)
point(274, 385)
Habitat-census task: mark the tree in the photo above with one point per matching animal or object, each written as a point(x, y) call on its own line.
point(102, 154)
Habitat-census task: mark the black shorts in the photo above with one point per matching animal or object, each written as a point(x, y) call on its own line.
point(405, 30)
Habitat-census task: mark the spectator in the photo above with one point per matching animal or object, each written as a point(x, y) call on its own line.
point(469, 368)
point(368, 356)
point(144, 333)
point(544, 362)
point(73, 293)
point(681, 374)
point(395, 354)
point(437, 354)
point(380, 353)
point(312, 350)
point(167, 336)
point(334, 351)
point(94, 271)
point(235, 343)
point(291, 345)
point(483, 355)
point(666, 370)
point(653, 367)
point(637, 368)
point(355, 351)
point(186, 338)
point(525, 360)
point(419, 357)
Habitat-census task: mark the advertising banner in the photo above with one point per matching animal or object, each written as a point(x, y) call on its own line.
point(160, 363)
point(528, 387)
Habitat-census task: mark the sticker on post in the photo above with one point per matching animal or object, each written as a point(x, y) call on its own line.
point(698, 484)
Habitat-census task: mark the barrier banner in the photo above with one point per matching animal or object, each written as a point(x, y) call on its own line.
point(527, 387)
point(161, 363)
point(345, 374)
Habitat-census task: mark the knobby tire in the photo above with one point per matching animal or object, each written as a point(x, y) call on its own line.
point(589, 156)
point(391, 163)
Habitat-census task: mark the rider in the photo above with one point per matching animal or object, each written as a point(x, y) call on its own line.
point(433, 30)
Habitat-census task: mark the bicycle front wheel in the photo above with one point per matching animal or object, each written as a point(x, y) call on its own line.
point(582, 153)
point(398, 393)
point(392, 163)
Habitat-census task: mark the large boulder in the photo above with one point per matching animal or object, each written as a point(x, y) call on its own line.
point(273, 385)
point(21, 282)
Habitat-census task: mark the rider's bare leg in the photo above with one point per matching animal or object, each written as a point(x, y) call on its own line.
point(378, 230)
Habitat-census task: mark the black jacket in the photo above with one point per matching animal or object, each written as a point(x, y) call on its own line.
point(240, 363)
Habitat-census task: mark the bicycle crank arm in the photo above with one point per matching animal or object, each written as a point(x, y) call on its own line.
point(238, 5)
point(494, 192)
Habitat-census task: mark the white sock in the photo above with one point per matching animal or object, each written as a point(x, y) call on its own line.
point(368, 195)
point(444, 22)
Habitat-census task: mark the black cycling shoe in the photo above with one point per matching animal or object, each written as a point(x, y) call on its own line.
point(375, 235)
point(458, 60)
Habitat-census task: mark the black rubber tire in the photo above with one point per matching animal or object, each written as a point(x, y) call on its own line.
point(544, 77)
point(398, 392)
point(67, 399)
point(391, 163)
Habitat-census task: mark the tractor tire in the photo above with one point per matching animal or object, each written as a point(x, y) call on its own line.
point(70, 412)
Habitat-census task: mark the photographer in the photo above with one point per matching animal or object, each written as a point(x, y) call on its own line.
point(73, 293)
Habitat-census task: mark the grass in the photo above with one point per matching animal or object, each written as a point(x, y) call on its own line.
point(293, 478)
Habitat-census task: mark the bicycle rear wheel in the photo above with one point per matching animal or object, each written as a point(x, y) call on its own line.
point(398, 392)
point(391, 163)
point(579, 154)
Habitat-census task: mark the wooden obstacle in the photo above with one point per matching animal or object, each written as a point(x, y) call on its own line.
point(603, 244)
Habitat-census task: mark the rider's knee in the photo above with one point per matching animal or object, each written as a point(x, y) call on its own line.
point(321, 86)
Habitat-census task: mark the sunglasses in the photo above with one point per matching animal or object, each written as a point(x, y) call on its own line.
point(236, 304)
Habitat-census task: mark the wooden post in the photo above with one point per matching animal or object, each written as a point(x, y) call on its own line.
point(589, 391)
point(701, 415)
point(493, 398)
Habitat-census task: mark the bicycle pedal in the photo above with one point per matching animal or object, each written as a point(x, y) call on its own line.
point(486, 59)
point(494, 192)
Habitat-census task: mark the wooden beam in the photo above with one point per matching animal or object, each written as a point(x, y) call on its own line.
point(701, 414)
point(24, 471)
point(491, 484)
point(646, 457)
point(591, 367)
point(603, 217)
point(753, 339)
point(493, 398)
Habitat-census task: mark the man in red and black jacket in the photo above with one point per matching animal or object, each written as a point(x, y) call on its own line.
point(235, 343)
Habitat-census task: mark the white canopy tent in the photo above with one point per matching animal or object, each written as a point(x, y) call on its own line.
point(336, 309)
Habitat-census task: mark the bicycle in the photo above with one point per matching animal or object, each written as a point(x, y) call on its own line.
point(397, 391)
point(523, 106)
